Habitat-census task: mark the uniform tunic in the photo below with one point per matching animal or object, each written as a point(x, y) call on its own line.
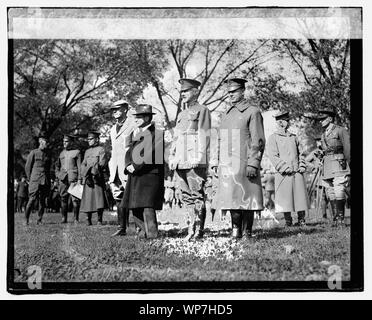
point(290, 190)
point(38, 171)
point(92, 171)
point(241, 142)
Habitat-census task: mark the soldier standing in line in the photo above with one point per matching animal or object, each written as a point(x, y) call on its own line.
point(93, 174)
point(68, 171)
point(189, 156)
point(38, 173)
point(290, 188)
point(120, 135)
point(336, 163)
point(240, 147)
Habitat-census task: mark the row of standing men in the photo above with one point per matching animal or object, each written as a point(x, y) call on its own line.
point(137, 165)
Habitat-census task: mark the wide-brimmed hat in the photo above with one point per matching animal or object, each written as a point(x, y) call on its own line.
point(282, 115)
point(143, 109)
point(119, 104)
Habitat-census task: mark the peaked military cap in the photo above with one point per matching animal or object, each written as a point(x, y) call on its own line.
point(143, 109)
point(69, 136)
point(282, 115)
point(324, 113)
point(94, 134)
point(187, 84)
point(119, 104)
point(235, 83)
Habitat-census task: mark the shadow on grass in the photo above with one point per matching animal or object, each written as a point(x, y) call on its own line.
point(279, 233)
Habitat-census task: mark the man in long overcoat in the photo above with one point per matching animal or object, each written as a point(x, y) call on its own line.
point(241, 143)
point(290, 187)
point(68, 171)
point(93, 173)
point(336, 163)
point(189, 155)
point(120, 135)
point(38, 173)
point(144, 192)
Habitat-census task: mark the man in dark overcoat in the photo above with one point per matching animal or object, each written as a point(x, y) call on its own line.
point(144, 192)
point(93, 169)
point(38, 173)
point(240, 147)
point(68, 169)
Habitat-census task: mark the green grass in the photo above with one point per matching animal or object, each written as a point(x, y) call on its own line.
point(80, 253)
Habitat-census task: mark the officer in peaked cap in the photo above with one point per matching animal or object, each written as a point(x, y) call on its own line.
point(189, 155)
point(283, 149)
point(37, 169)
point(336, 161)
point(68, 171)
point(92, 173)
point(143, 109)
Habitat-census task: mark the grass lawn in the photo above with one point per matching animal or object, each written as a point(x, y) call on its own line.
point(80, 253)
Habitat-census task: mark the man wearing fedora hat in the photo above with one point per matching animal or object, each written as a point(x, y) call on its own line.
point(241, 143)
point(144, 191)
point(38, 173)
point(189, 155)
point(336, 163)
point(68, 171)
point(120, 135)
point(93, 170)
point(283, 149)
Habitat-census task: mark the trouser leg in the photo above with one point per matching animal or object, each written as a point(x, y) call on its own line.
point(76, 208)
point(247, 222)
point(28, 209)
point(64, 209)
point(150, 222)
point(288, 219)
point(199, 222)
point(236, 221)
point(334, 209)
point(42, 201)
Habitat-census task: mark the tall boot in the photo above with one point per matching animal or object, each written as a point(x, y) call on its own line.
point(76, 208)
point(236, 221)
point(151, 224)
point(247, 222)
point(323, 207)
point(28, 212)
point(138, 221)
point(64, 210)
point(301, 218)
point(100, 216)
point(341, 211)
point(288, 219)
point(122, 223)
point(191, 214)
point(40, 214)
point(89, 218)
point(334, 209)
point(199, 223)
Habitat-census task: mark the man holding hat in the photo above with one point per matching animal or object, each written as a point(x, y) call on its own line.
point(93, 173)
point(336, 163)
point(68, 171)
point(241, 143)
point(144, 192)
point(189, 155)
point(38, 173)
point(290, 188)
point(120, 135)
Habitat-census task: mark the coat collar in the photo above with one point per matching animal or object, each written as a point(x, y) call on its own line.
point(241, 105)
point(282, 132)
point(125, 125)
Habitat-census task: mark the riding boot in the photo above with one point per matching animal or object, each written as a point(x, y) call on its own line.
point(28, 212)
point(40, 214)
point(288, 219)
point(76, 209)
point(334, 209)
point(199, 223)
point(341, 211)
point(301, 218)
point(64, 209)
point(247, 223)
point(151, 224)
point(122, 223)
point(100, 216)
point(89, 218)
point(236, 221)
point(191, 222)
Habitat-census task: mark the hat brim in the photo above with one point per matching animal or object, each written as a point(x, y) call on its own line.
point(135, 114)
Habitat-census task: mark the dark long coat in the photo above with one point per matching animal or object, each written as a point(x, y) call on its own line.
point(241, 143)
point(93, 174)
point(145, 186)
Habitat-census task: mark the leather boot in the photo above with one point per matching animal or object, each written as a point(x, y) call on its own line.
point(99, 217)
point(28, 212)
point(89, 218)
point(40, 214)
point(301, 218)
point(151, 224)
point(139, 222)
point(288, 219)
point(122, 224)
point(199, 224)
point(191, 223)
point(341, 211)
point(334, 209)
point(76, 212)
point(247, 223)
point(236, 221)
point(64, 210)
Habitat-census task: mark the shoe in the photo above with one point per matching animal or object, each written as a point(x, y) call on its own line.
point(119, 232)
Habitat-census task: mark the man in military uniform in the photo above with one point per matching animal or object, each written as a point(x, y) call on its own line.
point(189, 155)
point(290, 188)
point(68, 171)
point(38, 173)
point(241, 143)
point(336, 163)
point(93, 170)
point(120, 134)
